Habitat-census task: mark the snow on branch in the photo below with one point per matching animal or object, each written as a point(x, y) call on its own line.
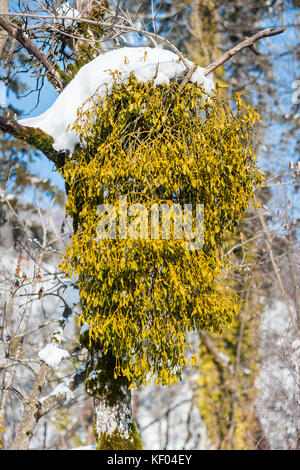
point(63, 391)
point(34, 137)
point(53, 355)
point(99, 75)
point(126, 25)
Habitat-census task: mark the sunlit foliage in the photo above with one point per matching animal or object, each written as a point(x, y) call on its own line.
point(156, 144)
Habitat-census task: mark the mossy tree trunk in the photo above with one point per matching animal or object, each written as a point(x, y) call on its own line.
point(114, 427)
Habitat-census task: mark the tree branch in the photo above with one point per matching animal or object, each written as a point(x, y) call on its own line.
point(34, 137)
point(269, 245)
point(49, 402)
point(17, 33)
point(4, 7)
point(248, 42)
point(219, 358)
point(28, 421)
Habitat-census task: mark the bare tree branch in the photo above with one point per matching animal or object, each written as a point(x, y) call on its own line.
point(11, 127)
point(248, 42)
point(46, 404)
point(33, 136)
point(126, 25)
point(17, 33)
point(4, 8)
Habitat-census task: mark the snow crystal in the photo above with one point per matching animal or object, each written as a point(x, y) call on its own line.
point(99, 76)
point(53, 355)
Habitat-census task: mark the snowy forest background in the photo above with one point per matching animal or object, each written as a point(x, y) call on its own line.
point(244, 391)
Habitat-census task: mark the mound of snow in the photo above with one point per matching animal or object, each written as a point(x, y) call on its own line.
point(98, 76)
point(53, 355)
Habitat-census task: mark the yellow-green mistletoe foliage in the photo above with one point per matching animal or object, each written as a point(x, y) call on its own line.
point(156, 144)
point(2, 429)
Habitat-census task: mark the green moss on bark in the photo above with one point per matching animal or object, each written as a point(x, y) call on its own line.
point(112, 403)
point(93, 32)
point(68, 75)
point(103, 367)
point(43, 142)
point(117, 441)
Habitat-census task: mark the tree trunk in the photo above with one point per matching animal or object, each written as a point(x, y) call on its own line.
point(114, 427)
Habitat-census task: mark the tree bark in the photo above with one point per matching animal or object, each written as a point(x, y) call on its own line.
point(114, 427)
point(4, 8)
point(34, 137)
point(28, 421)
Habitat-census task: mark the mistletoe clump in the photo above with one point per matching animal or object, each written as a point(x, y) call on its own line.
point(167, 144)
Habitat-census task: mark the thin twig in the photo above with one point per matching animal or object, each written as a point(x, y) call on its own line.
point(32, 49)
point(248, 42)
